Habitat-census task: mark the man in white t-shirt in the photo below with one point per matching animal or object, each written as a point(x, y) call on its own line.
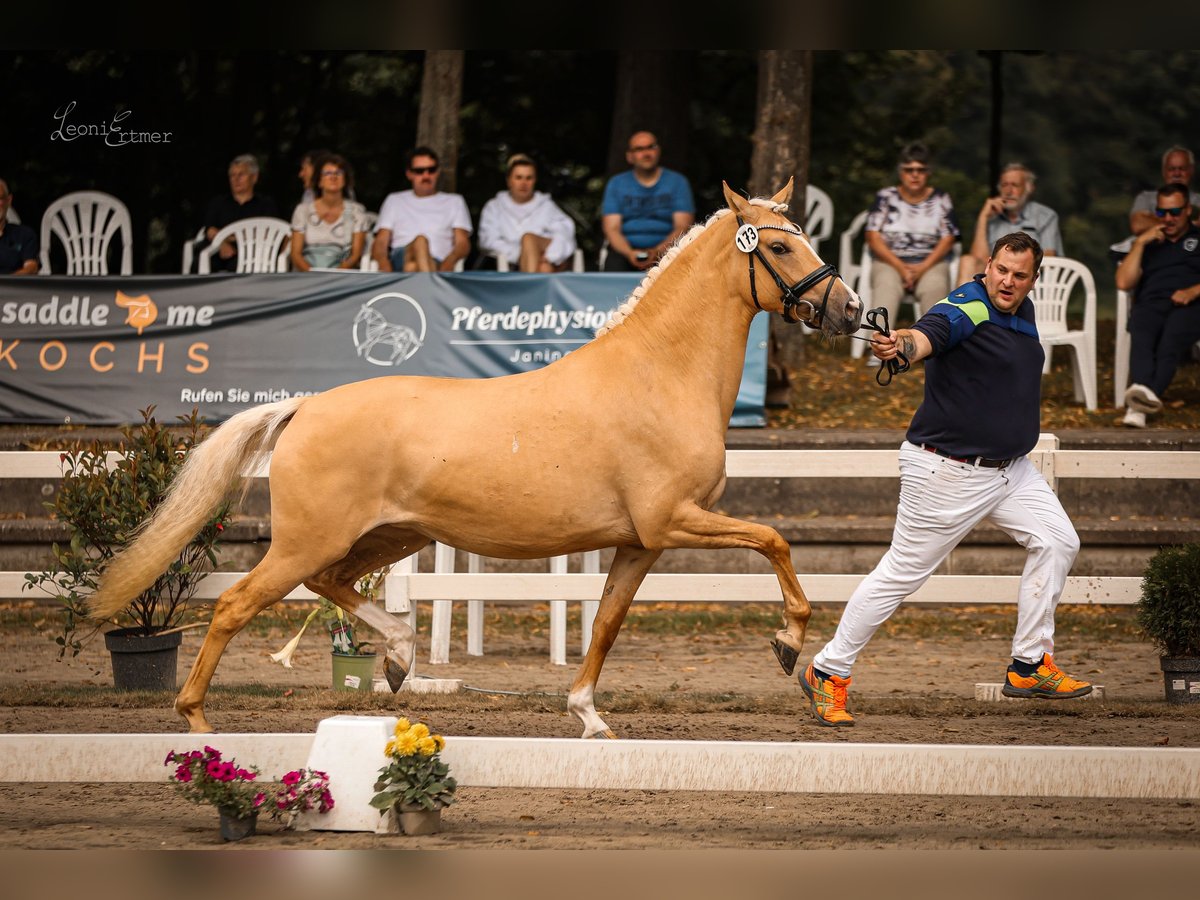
point(422, 230)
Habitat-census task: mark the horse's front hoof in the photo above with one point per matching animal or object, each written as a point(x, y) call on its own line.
point(605, 735)
point(394, 673)
point(787, 655)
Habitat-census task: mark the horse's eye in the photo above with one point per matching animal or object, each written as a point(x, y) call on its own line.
point(779, 248)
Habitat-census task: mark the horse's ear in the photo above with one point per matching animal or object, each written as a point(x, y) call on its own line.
point(736, 203)
point(785, 196)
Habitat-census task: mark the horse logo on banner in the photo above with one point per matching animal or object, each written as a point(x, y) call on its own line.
point(389, 329)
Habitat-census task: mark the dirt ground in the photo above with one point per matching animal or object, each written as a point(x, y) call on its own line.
point(913, 685)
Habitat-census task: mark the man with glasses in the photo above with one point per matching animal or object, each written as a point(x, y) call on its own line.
point(19, 244)
point(422, 229)
point(1012, 210)
point(1178, 167)
point(644, 209)
point(240, 203)
point(1162, 270)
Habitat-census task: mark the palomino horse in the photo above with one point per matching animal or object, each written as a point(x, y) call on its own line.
point(618, 444)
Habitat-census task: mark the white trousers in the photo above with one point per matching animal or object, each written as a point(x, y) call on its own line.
point(940, 501)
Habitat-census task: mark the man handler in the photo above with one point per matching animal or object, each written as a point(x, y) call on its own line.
point(964, 461)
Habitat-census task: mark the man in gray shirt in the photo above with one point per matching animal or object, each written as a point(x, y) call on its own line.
point(1011, 210)
point(1178, 167)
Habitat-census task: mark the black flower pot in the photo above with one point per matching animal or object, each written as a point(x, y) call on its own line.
point(237, 828)
point(143, 662)
point(1181, 678)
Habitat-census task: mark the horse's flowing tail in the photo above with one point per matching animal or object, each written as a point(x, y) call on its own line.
point(207, 478)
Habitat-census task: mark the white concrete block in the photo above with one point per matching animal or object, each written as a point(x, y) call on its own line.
point(991, 693)
point(422, 686)
point(350, 750)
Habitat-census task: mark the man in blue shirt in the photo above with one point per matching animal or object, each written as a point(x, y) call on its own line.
point(964, 461)
point(644, 209)
point(19, 244)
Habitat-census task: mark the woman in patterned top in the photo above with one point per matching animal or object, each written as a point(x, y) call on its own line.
point(910, 231)
point(329, 231)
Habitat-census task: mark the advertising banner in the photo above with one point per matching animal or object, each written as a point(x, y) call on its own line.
point(96, 350)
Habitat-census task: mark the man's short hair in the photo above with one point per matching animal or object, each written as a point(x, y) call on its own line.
point(1019, 242)
point(1175, 187)
point(1030, 177)
point(247, 160)
point(1191, 157)
point(4, 185)
point(421, 151)
point(914, 152)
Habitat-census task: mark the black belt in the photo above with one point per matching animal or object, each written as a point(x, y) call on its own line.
point(982, 461)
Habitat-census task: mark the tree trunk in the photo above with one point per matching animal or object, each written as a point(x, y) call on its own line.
point(652, 94)
point(437, 119)
point(781, 149)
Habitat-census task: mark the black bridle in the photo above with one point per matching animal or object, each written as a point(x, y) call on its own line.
point(793, 302)
point(747, 241)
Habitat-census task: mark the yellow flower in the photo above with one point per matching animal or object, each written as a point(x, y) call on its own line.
point(406, 744)
point(402, 726)
point(427, 746)
point(390, 749)
point(439, 741)
point(420, 730)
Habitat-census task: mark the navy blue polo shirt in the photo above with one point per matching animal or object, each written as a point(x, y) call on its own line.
point(1167, 267)
point(983, 386)
point(18, 245)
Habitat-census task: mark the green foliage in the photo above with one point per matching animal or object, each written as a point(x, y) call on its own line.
point(1169, 611)
point(341, 630)
point(104, 510)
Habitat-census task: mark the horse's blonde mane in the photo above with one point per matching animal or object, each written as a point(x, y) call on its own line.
point(684, 240)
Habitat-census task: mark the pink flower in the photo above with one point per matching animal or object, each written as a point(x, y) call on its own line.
point(291, 778)
point(184, 774)
point(212, 752)
point(259, 799)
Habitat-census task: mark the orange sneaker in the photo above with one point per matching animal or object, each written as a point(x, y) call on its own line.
point(828, 696)
point(1049, 681)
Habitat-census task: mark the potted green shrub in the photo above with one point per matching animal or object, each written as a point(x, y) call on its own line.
point(1169, 614)
point(103, 507)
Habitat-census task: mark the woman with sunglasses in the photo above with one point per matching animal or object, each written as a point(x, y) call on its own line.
point(329, 231)
point(910, 231)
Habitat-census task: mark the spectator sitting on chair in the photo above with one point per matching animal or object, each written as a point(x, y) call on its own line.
point(1178, 167)
point(644, 209)
point(1012, 210)
point(525, 226)
point(19, 244)
point(1162, 270)
point(422, 230)
point(329, 231)
point(240, 203)
point(910, 231)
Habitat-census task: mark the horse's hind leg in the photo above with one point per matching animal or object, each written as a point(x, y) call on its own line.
point(270, 580)
point(629, 567)
point(372, 551)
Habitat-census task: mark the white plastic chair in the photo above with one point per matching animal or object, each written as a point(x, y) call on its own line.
point(189, 250)
point(503, 265)
point(85, 222)
point(1051, 294)
point(13, 217)
point(818, 216)
point(263, 245)
point(1121, 350)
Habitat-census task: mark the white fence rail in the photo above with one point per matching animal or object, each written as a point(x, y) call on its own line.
point(405, 586)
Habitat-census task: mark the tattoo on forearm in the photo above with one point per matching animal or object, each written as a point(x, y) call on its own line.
point(908, 346)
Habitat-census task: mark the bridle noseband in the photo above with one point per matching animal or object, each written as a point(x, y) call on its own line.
point(793, 303)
